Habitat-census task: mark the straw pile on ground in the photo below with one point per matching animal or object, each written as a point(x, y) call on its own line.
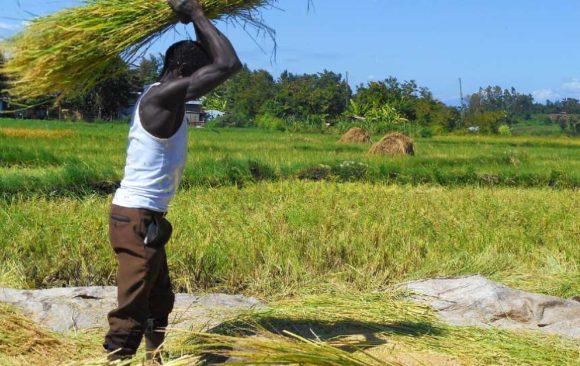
point(393, 144)
point(69, 51)
point(356, 135)
point(22, 342)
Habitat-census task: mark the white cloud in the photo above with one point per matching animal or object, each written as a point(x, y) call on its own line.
point(544, 94)
point(7, 26)
point(572, 86)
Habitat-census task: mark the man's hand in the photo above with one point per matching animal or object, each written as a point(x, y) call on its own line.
point(223, 61)
point(185, 9)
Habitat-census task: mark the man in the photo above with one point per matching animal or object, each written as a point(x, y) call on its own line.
point(156, 157)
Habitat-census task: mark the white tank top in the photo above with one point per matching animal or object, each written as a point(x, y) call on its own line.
point(154, 166)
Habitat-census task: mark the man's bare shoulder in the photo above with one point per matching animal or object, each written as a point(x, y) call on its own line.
point(158, 118)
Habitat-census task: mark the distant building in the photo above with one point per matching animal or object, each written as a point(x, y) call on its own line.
point(194, 114)
point(557, 117)
point(36, 112)
point(213, 113)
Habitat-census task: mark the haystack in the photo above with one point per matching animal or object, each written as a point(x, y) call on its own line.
point(393, 144)
point(356, 135)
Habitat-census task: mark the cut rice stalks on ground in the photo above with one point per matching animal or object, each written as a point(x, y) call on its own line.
point(327, 330)
point(72, 50)
point(273, 349)
point(22, 342)
point(374, 329)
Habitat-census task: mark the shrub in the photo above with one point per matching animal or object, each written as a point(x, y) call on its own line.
point(230, 120)
point(488, 122)
point(350, 170)
point(504, 130)
point(426, 133)
point(270, 122)
point(261, 171)
point(318, 172)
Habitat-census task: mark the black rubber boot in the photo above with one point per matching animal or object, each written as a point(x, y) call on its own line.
point(115, 358)
point(122, 346)
point(154, 338)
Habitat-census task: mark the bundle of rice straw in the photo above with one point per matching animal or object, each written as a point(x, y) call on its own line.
point(393, 144)
point(69, 51)
point(356, 135)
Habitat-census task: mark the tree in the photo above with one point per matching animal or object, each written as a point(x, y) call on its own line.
point(149, 70)
point(570, 124)
point(488, 122)
point(571, 106)
point(567, 105)
point(3, 79)
point(496, 99)
point(103, 101)
point(244, 95)
point(401, 96)
point(574, 126)
point(324, 95)
point(431, 112)
point(414, 104)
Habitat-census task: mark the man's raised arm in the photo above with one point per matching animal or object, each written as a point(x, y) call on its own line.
point(224, 60)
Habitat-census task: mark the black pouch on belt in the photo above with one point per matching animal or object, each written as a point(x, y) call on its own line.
point(158, 232)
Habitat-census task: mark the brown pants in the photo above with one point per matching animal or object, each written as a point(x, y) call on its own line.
point(144, 294)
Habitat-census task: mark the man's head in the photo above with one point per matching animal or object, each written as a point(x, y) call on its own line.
point(184, 58)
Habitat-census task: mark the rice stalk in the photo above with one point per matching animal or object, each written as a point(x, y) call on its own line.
point(273, 349)
point(24, 342)
point(18, 335)
point(371, 308)
point(256, 343)
point(69, 51)
point(387, 324)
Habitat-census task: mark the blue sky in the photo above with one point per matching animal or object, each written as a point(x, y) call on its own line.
point(532, 45)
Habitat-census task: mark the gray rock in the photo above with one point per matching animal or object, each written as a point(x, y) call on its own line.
point(477, 301)
point(71, 309)
point(473, 301)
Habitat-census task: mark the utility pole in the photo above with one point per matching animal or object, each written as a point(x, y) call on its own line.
point(462, 102)
point(347, 96)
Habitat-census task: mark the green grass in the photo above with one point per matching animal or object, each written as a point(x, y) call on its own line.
point(536, 126)
point(295, 237)
point(91, 159)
